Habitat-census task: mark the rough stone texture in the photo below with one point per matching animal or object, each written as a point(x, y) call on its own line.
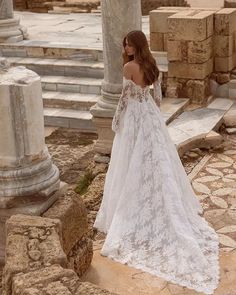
point(230, 117)
point(32, 243)
point(148, 5)
point(225, 21)
point(197, 90)
point(190, 51)
point(225, 64)
point(53, 280)
point(190, 25)
point(71, 211)
point(80, 257)
point(190, 71)
point(223, 45)
point(222, 78)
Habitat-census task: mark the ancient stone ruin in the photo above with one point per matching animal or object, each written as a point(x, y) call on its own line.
point(199, 46)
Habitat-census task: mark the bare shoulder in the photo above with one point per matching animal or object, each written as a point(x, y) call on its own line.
point(130, 69)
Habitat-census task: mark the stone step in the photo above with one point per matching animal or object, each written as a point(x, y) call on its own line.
point(173, 107)
point(61, 67)
point(71, 84)
point(73, 111)
point(67, 118)
point(47, 49)
point(191, 128)
point(68, 100)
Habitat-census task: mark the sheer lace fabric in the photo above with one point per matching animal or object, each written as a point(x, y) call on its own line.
point(149, 210)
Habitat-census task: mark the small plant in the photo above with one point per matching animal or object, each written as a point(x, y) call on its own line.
point(84, 183)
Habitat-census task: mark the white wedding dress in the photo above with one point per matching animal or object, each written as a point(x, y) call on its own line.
point(149, 210)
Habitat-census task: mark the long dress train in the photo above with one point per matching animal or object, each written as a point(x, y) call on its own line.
point(149, 210)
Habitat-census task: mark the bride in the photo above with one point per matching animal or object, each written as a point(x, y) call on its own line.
point(149, 211)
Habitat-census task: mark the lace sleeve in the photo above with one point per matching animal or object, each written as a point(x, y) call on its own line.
point(120, 108)
point(157, 92)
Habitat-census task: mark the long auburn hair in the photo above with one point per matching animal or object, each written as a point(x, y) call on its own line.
point(143, 56)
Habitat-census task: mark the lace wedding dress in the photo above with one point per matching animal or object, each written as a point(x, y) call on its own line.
point(149, 210)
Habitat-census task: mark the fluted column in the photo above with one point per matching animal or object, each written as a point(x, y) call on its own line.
point(118, 18)
point(10, 28)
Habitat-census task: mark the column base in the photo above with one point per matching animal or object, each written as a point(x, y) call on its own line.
point(11, 31)
point(36, 207)
point(103, 120)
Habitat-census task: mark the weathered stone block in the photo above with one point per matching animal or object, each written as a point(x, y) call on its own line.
point(225, 64)
point(225, 21)
point(71, 211)
point(53, 280)
point(223, 78)
point(32, 243)
point(175, 50)
point(80, 257)
point(192, 25)
point(157, 41)
point(165, 41)
point(230, 117)
point(190, 51)
point(223, 45)
point(158, 19)
point(198, 90)
point(200, 52)
point(190, 71)
point(173, 88)
point(50, 280)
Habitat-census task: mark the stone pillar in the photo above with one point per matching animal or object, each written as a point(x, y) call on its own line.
point(118, 18)
point(224, 40)
point(10, 29)
point(190, 54)
point(29, 182)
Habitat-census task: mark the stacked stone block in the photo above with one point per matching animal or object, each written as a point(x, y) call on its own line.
point(148, 5)
point(36, 262)
point(224, 40)
point(190, 54)
point(159, 27)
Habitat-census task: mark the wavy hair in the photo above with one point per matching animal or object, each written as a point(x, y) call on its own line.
point(143, 56)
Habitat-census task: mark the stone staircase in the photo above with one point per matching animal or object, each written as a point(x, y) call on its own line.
point(71, 82)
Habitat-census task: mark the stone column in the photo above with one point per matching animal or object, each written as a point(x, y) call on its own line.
point(118, 18)
point(29, 182)
point(10, 29)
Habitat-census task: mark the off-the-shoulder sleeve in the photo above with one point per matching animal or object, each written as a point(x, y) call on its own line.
point(157, 94)
point(121, 107)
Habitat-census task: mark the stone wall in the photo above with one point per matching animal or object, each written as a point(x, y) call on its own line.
point(200, 45)
point(36, 262)
point(230, 3)
point(45, 5)
point(148, 5)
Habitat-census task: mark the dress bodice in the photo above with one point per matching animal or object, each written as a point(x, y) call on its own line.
point(133, 91)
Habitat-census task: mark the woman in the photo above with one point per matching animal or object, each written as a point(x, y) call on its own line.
point(149, 210)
